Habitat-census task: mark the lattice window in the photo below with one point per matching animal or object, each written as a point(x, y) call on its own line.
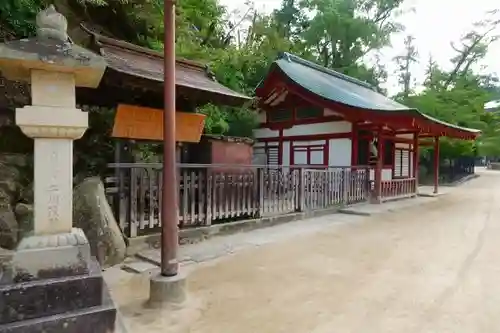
point(272, 155)
point(402, 163)
point(309, 155)
point(308, 113)
point(279, 115)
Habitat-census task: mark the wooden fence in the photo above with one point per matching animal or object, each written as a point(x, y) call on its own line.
point(217, 194)
point(398, 188)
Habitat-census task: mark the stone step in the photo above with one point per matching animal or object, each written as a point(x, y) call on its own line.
point(96, 319)
point(37, 299)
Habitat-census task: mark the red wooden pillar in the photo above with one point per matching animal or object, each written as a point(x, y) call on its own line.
point(416, 157)
point(378, 167)
point(436, 164)
point(354, 144)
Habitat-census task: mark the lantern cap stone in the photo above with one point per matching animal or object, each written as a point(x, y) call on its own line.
point(51, 50)
point(51, 24)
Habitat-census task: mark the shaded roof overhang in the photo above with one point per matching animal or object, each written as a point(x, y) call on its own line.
point(356, 100)
point(143, 63)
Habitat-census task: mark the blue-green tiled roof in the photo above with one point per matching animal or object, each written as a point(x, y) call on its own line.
point(340, 88)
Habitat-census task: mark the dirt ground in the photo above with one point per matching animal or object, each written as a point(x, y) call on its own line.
point(429, 268)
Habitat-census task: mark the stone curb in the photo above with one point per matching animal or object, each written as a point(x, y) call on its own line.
point(199, 234)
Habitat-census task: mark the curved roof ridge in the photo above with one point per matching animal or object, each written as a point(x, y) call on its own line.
point(293, 58)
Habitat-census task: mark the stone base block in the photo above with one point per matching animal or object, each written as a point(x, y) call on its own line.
point(41, 298)
point(55, 286)
point(50, 256)
point(165, 290)
point(97, 319)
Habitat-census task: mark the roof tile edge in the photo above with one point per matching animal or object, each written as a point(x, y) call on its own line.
point(101, 39)
point(293, 58)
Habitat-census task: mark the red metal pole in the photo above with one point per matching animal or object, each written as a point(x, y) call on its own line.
point(169, 214)
point(436, 164)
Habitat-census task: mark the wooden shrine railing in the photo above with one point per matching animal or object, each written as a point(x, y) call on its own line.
point(217, 194)
point(398, 188)
point(334, 186)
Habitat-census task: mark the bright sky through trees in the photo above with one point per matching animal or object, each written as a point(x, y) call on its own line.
point(433, 23)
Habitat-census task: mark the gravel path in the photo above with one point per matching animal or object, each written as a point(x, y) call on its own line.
point(427, 268)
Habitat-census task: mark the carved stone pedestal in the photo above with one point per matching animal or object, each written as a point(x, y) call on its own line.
point(52, 284)
point(55, 286)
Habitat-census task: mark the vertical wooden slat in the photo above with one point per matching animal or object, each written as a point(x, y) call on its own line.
point(234, 193)
point(222, 197)
point(276, 200)
point(289, 191)
point(304, 190)
point(329, 200)
point(185, 198)
point(240, 201)
point(124, 200)
point(323, 187)
point(192, 197)
point(151, 200)
point(202, 185)
point(256, 208)
point(281, 190)
point(260, 176)
point(345, 188)
point(160, 195)
point(244, 194)
point(208, 192)
point(215, 194)
point(252, 180)
point(142, 198)
point(227, 195)
point(133, 202)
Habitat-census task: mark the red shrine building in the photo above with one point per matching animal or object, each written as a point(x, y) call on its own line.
point(314, 117)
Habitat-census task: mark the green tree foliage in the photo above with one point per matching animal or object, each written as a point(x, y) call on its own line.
point(458, 96)
point(338, 34)
point(405, 62)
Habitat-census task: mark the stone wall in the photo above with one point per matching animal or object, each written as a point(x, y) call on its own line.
point(16, 197)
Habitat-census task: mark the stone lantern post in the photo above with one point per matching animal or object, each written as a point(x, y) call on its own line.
point(53, 284)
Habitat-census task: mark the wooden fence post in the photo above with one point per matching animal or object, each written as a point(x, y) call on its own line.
point(208, 201)
point(133, 202)
point(261, 189)
point(301, 190)
point(345, 187)
point(367, 184)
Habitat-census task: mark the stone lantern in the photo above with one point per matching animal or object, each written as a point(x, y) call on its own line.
point(53, 284)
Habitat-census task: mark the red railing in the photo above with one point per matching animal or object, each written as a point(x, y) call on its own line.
point(398, 188)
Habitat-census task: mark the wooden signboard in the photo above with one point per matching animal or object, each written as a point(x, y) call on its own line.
point(140, 123)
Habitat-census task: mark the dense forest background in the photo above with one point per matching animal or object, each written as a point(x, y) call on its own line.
point(338, 34)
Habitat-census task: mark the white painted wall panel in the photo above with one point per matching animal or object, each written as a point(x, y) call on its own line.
point(386, 174)
point(265, 133)
point(402, 145)
point(259, 156)
point(308, 143)
point(317, 157)
point(261, 117)
point(406, 136)
point(300, 157)
point(321, 128)
point(340, 152)
point(286, 154)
